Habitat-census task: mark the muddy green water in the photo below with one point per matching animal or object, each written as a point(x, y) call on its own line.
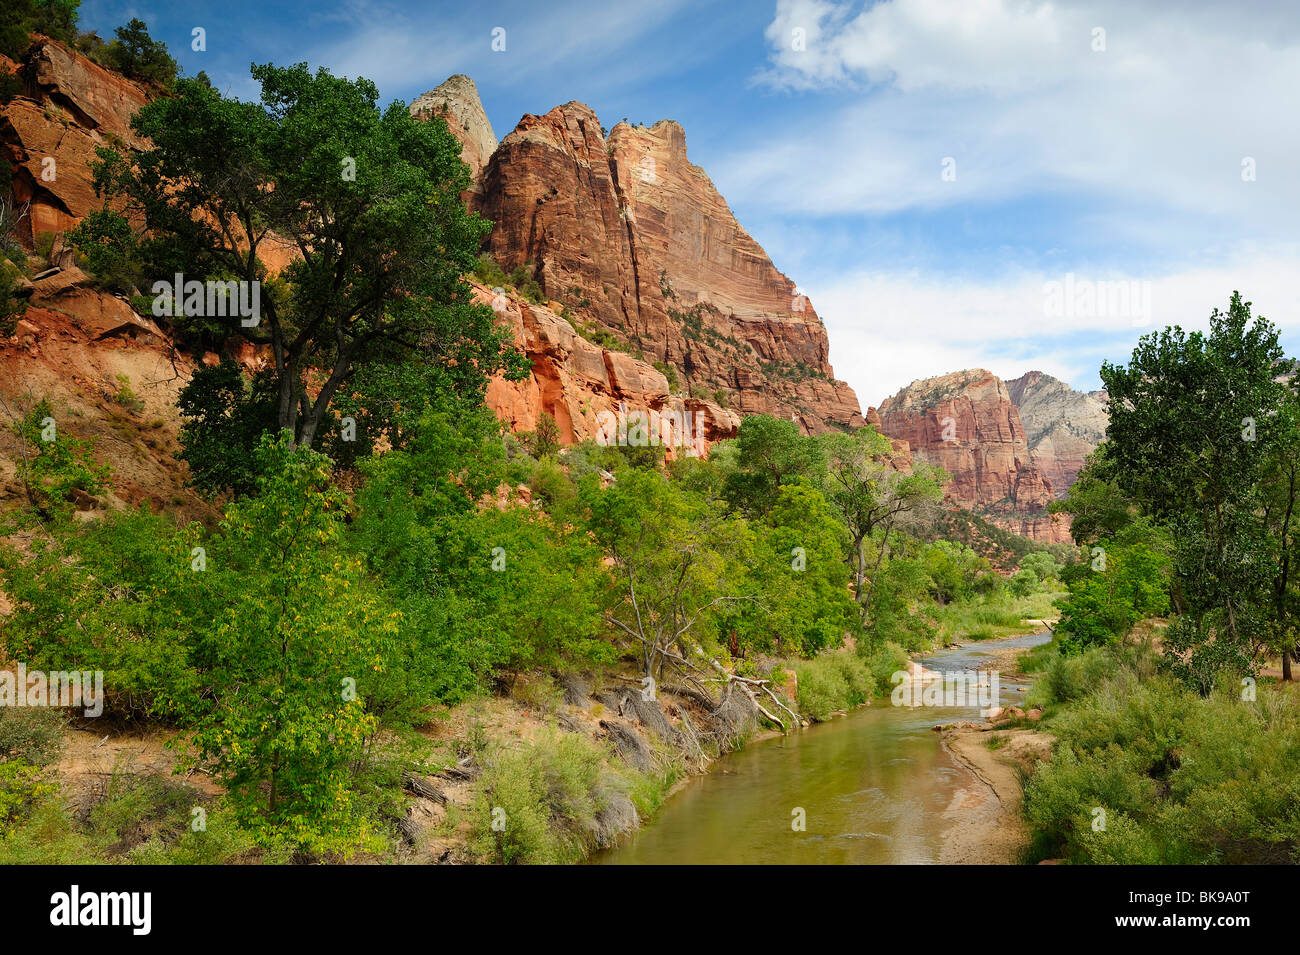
point(875, 786)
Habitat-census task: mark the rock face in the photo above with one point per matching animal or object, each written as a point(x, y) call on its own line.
point(457, 102)
point(1062, 426)
point(594, 393)
point(966, 423)
point(49, 135)
point(638, 245)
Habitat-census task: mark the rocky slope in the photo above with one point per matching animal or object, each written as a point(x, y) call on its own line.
point(636, 244)
point(587, 388)
point(966, 423)
point(1062, 426)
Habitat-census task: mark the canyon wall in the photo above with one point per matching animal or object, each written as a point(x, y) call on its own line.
point(966, 423)
point(1062, 426)
point(640, 251)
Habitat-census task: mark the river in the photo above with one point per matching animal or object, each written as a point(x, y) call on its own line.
point(874, 786)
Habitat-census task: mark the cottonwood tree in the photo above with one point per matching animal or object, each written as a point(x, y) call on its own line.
point(676, 558)
point(359, 205)
point(1195, 428)
point(873, 496)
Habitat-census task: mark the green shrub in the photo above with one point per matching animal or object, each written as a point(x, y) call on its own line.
point(544, 797)
point(842, 679)
point(53, 469)
point(1065, 678)
point(34, 734)
point(107, 245)
point(11, 308)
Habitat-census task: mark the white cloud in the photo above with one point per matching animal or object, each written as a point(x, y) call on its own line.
point(1015, 93)
point(409, 48)
point(888, 330)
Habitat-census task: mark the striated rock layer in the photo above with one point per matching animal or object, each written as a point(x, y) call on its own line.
point(70, 106)
point(638, 246)
point(966, 423)
point(592, 392)
point(1062, 426)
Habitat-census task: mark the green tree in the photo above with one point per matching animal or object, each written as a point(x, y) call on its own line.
point(769, 452)
point(290, 656)
point(364, 201)
point(873, 496)
point(54, 18)
point(677, 559)
point(802, 603)
point(224, 416)
point(138, 56)
point(109, 247)
point(1124, 584)
point(1193, 426)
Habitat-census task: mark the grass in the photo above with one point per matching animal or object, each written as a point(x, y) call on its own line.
point(1001, 616)
point(842, 679)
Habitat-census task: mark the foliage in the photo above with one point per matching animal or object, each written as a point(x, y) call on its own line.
point(1194, 427)
point(543, 798)
point(138, 56)
point(677, 559)
point(223, 418)
point(368, 198)
point(1183, 779)
point(289, 657)
point(769, 452)
point(11, 307)
point(51, 470)
point(1125, 584)
point(105, 240)
point(54, 18)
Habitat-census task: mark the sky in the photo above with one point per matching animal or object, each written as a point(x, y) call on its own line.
point(1006, 184)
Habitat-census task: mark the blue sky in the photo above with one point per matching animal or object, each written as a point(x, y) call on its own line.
point(928, 171)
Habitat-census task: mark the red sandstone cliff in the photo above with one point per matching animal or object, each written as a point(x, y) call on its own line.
point(70, 105)
point(635, 241)
point(966, 423)
point(584, 387)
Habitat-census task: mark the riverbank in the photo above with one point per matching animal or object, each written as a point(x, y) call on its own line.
point(988, 827)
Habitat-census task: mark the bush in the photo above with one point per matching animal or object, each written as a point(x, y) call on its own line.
point(107, 244)
point(1066, 678)
point(33, 734)
point(544, 798)
point(11, 308)
point(53, 469)
point(1024, 582)
point(1183, 779)
point(840, 680)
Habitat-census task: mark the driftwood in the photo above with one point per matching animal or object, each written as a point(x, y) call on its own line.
point(408, 830)
point(462, 771)
point(629, 744)
point(422, 787)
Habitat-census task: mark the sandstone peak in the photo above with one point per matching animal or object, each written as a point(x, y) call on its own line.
point(457, 101)
point(966, 423)
point(1062, 426)
point(636, 243)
